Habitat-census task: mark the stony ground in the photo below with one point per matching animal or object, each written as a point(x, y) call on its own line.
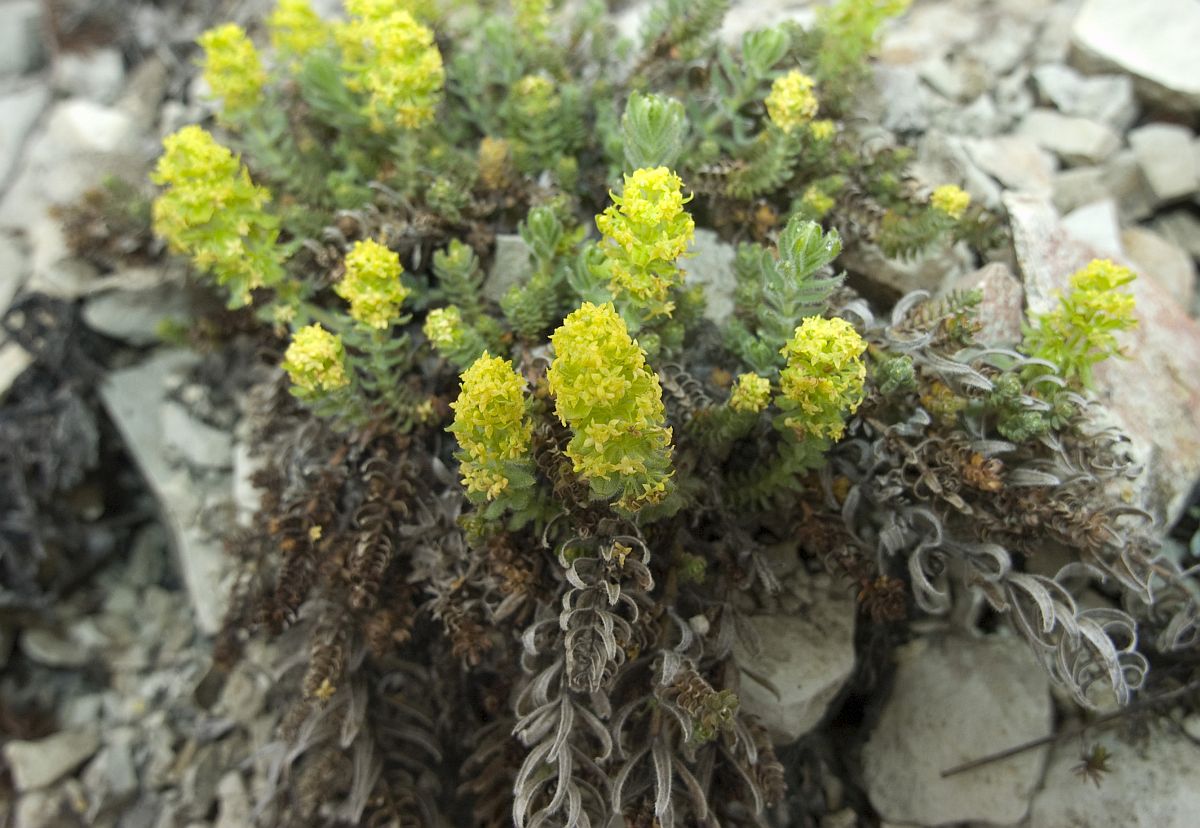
point(1075, 117)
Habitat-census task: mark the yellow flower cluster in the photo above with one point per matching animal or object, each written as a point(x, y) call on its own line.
point(824, 377)
point(491, 425)
point(612, 401)
point(232, 67)
point(823, 129)
point(646, 229)
point(950, 200)
point(817, 201)
point(792, 101)
point(316, 360)
point(213, 212)
point(1082, 330)
point(495, 162)
point(372, 284)
point(392, 58)
point(296, 29)
point(444, 328)
point(751, 394)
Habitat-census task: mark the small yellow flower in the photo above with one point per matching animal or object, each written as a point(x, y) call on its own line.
point(822, 130)
point(817, 201)
point(316, 360)
point(491, 424)
point(950, 200)
point(824, 377)
point(232, 67)
point(792, 101)
point(443, 328)
point(296, 29)
point(751, 394)
point(372, 284)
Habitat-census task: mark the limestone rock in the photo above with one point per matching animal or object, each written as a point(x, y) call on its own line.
point(21, 109)
point(1074, 140)
point(1001, 308)
point(1105, 98)
point(711, 266)
point(95, 75)
point(1152, 785)
point(1181, 227)
point(47, 647)
point(1097, 226)
point(195, 442)
point(13, 361)
point(1153, 394)
point(1152, 40)
point(1163, 261)
point(806, 656)
point(1164, 152)
point(1120, 178)
point(134, 316)
point(511, 265)
point(1016, 161)
point(13, 266)
point(21, 47)
point(44, 762)
point(953, 700)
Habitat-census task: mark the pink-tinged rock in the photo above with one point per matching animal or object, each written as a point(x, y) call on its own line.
point(1001, 310)
point(1155, 393)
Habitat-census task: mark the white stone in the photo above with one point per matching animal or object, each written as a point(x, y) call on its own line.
point(806, 657)
point(1181, 227)
point(1158, 258)
point(1016, 161)
point(1164, 152)
point(81, 125)
point(135, 316)
point(954, 700)
point(1120, 178)
point(21, 47)
point(14, 265)
point(44, 762)
point(194, 441)
point(134, 398)
point(1152, 40)
point(233, 802)
point(1105, 98)
point(96, 75)
point(710, 265)
point(1148, 785)
point(19, 111)
point(943, 159)
point(511, 265)
point(1097, 226)
point(929, 30)
point(47, 647)
point(13, 361)
point(1074, 140)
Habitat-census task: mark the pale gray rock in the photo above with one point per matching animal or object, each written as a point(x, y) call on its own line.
point(978, 118)
point(953, 700)
point(1163, 364)
point(1181, 227)
point(193, 441)
point(942, 159)
point(1075, 140)
point(1013, 98)
point(1120, 178)
point(1097, 226)
point(54, 271)
point(41, 809)
point(929, 30)
point(1001, 310)
point(45, 761)
point(134, 398)
point(710, 264)
point(21, 46)
point(1148, 785)
point(898, 99)
point(111, 777)
point(96, 75)
point(806, 657)
point(13, 361)
point(1154, 41)
point(1164, 152)
point(960, 78)
point(233, 802)
point(84, 126)
point(1105, 98)
point(887, 279)
point(53, 650)
point(135, 316)
point(20, 109)
point(14, 265)
point(511, 265)
point(1008, 41)
point(1160, 259)
point(1016, 161)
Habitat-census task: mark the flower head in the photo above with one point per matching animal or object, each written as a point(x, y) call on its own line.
point(393, 59)
point(444, 328)
point(372, 284)
point(491, 425)
point(817, 201)
point(613, 403)
point(232, 67)
point(823, 129)
point(824, 377)
point(295, 28)
point(646, 229)
point(751, 394)
point(214, 213)
point(950, 200)
point(316, 360)
point(792, 101)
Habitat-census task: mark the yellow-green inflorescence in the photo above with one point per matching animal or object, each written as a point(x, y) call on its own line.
point(612, 401)
point(492, 426)
point(1081, 330)
point(444, 328)
point(646, 229)
point(232, 68)
point(212, 212)
point(372, 284)
point(950, 200)
point(316, 360)
point(296, 29)
point(751, 394)
point(824, 377)
point(392, 59)
point(792, 103)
